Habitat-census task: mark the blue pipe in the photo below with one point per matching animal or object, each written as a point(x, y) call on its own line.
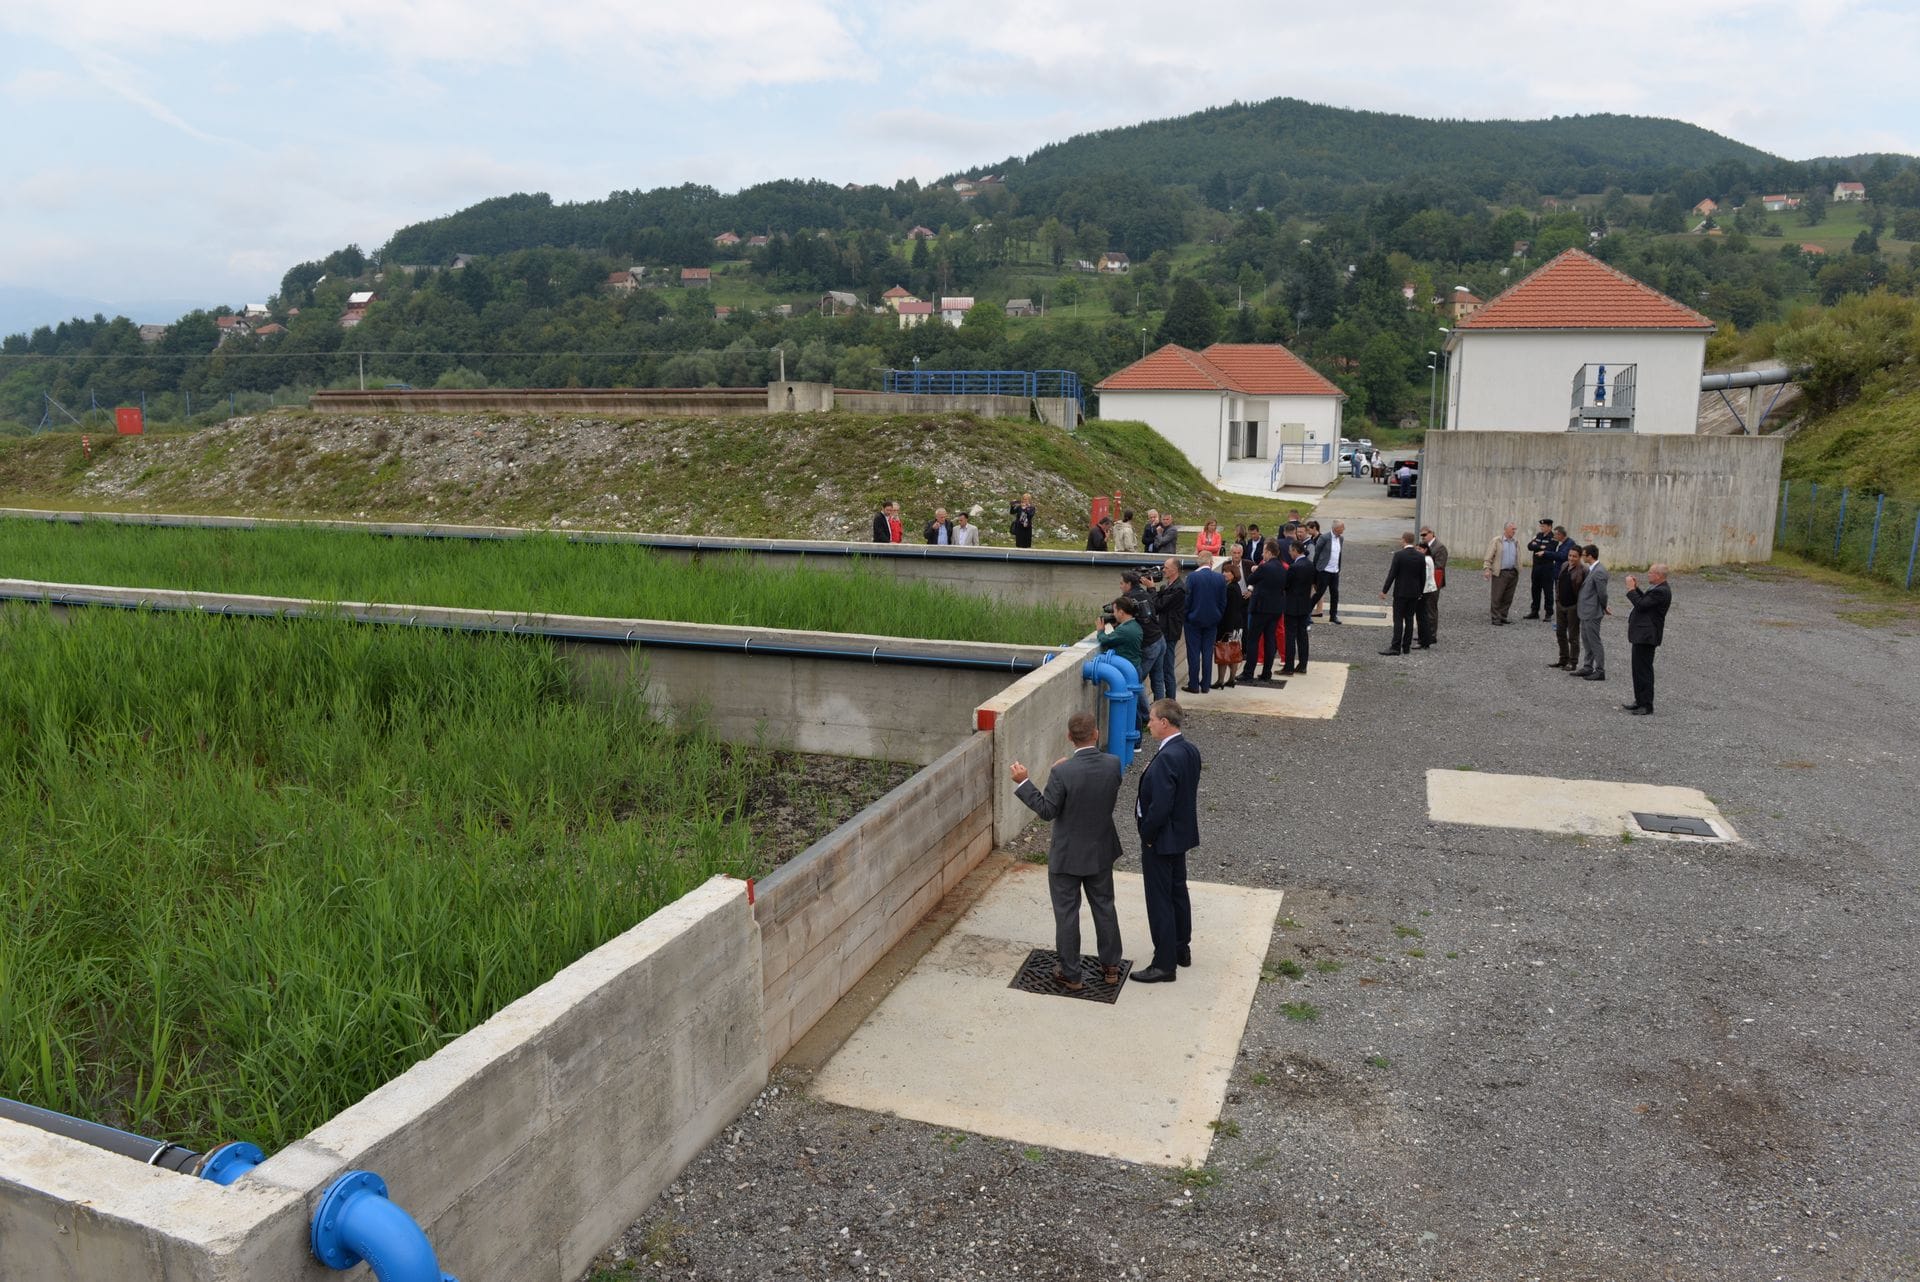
point(1122, 687)
point(356, 1222)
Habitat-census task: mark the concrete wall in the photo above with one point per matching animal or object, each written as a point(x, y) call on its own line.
point(605, 402)
point(831, 913)
point(1686, 500)
point(900, 711)
point(1522, 381)
point(1028, 721)
point(1030, 577)
point(522, 1148)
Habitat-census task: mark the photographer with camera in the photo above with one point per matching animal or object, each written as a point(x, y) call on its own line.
point(1170, 603)
point(1146, 613)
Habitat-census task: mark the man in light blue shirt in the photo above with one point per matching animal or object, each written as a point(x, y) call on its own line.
point(1502, 568)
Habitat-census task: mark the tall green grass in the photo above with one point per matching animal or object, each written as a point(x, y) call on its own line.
point(249, 870)
point(544, 574)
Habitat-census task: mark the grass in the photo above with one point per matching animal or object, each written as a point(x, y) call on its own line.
point(1328, 966)
point(541, 573)
point(1192, 1177)
point(1407, 932)
point(1287, 967)
point(1301, 1012)
point(809, 475)
point(254, 869)
point(1224, 1127)
point(1871, 444)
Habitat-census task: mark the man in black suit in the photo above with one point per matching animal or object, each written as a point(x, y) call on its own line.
point(1298, 609)
point(1543, 545)
point(1268, 601)
point(1097, 536)
point(1167, 814)
point(1646, 628)
point(1407, 582)
point(1252, 548)
point(1081, 790)
point(886, 523)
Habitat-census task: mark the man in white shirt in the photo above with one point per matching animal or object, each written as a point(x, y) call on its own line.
point(1327, 550)
point(965, 533)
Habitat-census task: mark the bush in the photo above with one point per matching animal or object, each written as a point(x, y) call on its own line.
point(1845, 345)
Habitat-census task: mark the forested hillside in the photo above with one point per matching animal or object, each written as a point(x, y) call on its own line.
point(1343, 234)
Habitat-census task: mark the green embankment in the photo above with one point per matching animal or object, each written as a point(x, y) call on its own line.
point(798, 476)
point(255, 869)
point(1871, 444)
point(541, 574)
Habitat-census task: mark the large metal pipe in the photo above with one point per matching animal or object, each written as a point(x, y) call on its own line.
point(1123, 689)
point(222, 1165)
point(1752, 378)
point(355, 1222)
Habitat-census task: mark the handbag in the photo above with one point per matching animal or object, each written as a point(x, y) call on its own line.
point(1439, 576)
point(1227, 653)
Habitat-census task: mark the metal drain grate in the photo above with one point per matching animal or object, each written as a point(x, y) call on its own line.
point(1036, 976)
point(1675, 825)
point(1273, 683)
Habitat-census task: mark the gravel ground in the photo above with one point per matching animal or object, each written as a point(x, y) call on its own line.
point(1528, 1056)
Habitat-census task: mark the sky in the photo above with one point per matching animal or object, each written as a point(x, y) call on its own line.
point(160, 156)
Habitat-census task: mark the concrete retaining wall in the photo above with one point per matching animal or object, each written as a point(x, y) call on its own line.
point(1028, 721)
point(522, 1148)
point(1013, 575)
point(1685, 500)
point(828, 915)
point(697, 402)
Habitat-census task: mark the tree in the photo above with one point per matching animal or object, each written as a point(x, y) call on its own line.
point(1813, 210)
point(1192, 319)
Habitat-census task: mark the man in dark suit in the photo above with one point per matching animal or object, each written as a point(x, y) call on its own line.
point(1081, 790)
point(1167, 814)
point(1407, 584)
point(1591, 608)
point(1646, 627)
point(939, 530)
point(1430, 604)
point(1097, 535)
point(1298, 609)
point(1542, 545)
point(1268, 582)
point(886, 523)
point(1252, 548)
point(1206, 602)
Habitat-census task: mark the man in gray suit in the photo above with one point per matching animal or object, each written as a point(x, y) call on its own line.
point(1079, 799)
point(1591, 609)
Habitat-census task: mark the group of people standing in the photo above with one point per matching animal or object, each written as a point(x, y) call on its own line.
point(1158, 537)
point(1570, 583)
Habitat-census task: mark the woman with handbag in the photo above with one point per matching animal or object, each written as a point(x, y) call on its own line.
point(1228, 651)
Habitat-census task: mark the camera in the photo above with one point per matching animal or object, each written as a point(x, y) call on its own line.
point(1153, 573)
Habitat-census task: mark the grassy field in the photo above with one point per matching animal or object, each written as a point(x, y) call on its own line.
point(540, 574)
point(255, 869)
point(1871, 444)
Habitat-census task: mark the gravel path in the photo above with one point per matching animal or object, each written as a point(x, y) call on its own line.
point(1529, 1056)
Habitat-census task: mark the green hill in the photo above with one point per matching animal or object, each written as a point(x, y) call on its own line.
point(818, 476)
point(1304, 140)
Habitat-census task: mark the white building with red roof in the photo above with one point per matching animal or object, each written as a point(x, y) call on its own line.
point(1235, 410)
point(1577, 343)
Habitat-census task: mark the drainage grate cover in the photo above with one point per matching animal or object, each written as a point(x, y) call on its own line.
point(1675, 825)
point(1036, 976)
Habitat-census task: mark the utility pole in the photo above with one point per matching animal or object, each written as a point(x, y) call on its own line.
point(363, 371)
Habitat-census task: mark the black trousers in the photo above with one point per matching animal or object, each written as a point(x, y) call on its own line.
point(1296, 643)
point(1643, 674)
point(1169, 913)
point(1328, 587)
point(1023, 536)
point(1404, 609)
point(1542, 600)
point(1263, 631)
point(1427, 617)
point(1066, 891)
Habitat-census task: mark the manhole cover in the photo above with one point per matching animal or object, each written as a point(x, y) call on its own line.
point(1675, 825)
point(1036, 976)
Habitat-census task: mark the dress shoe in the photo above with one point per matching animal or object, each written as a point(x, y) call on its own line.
point(1529, 616)
point(1153, 975)
point(1579, 672)
point(1596, 676)
point(1629, 707)
point(1300, 671)
point(1110, 976)
point(1186, 957)
point(1642, 712)
point(1390, 652)
point(1286, 672)
point(1557, 665)
point(1071, 985)
point(1341, 621)
point(1189, 689)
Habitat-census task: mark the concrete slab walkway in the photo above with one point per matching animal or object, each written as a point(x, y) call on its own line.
point(1586, 807)
point(1315, 695)
point(1139, 1080)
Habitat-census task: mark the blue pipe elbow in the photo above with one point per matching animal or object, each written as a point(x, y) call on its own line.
point(356, 1222)
point(1122, 686)
point(229, 1162)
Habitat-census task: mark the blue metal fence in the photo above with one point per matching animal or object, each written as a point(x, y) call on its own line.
point(1826, 523)
point(987, 382)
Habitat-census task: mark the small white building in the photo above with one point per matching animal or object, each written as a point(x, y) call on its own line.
point(1577, 344)
point(1849, 191)
point(1252, 415)
point(954, 310)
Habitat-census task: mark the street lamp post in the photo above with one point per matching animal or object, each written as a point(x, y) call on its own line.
point(1143, 344)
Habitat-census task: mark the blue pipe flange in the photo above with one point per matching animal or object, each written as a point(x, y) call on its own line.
point(230, 1161)
point(355, 1222)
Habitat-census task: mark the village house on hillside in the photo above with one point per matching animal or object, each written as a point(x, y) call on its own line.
point(1849, 191)
point(1230, 407)
point(1461, 303)
point(696, 277)
point(896, 296)
point(727, 239)
point(954, 310)
point(1577, 344)
point(1114, 262)
point(1707, 208)
point(1776, 204)
point(622, 282)
point(1021, 307)
point(913, 313)
point(920, 233)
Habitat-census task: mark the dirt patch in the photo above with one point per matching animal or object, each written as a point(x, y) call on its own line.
point(804, 797)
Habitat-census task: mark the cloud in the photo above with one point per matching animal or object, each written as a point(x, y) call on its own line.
point(684, 47)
